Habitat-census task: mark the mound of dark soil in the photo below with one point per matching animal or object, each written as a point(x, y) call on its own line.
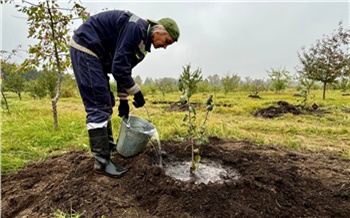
point(283, 108)
point(274, 182)
point(178, 107)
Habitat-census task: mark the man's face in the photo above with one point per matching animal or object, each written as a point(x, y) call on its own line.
point(161, 40)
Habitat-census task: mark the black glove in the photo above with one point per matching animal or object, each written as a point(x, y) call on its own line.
point(123, 108)
point(139, 101)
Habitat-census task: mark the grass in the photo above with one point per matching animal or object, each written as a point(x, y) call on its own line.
point(27, 134)
point(60, 214)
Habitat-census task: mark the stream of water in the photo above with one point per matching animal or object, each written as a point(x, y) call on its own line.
point(158, 149)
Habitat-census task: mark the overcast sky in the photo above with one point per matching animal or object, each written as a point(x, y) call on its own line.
point(245, 38)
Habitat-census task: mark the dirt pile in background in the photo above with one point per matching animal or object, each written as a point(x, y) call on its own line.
point(274, 182)
point(282, 108)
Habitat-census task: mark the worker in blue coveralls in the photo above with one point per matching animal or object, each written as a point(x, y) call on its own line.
point(113, 42)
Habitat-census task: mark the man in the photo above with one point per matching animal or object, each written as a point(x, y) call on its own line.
point(113, 42)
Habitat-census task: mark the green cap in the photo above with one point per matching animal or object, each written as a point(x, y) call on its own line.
point(170, 26)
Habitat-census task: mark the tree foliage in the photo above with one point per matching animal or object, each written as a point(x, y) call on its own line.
point(280, 79)
point(15, 83)
point(214, 79)
point(35, 89)
point(343, 84)
point(306, 83)
point(49, 24)
point(138, 80)
point(327, 60)
point(230, 82)
point(10, 75)
point(47, 81)
point(188, 80)
point(165, 85)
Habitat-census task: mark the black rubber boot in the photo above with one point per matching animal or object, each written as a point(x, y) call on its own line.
point(112, 145)
point(100, 150)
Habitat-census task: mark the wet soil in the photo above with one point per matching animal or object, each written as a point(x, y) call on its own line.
point(274, 182)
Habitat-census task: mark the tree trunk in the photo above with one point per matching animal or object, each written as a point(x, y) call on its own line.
point(58, 92)
point(7, 106)
point(324, 90)
point(58, 83)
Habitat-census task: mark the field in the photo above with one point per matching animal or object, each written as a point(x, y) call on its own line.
point(291, 165)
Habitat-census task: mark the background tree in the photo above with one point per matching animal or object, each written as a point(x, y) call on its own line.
point(48, 81)
point(279, 78)
point(306, 83)
point(150, 88)
point(343, 84)
point(5, 69)
point(14, 82)
point(327, 60)
point(258, 85)
point(138, 80)
point(165, 85)
point(50, 23)
point(230, 82)
point(35, 89)
point(69, 86)
point(214, 80)
point(247, 84)
point(203, 86)
point(31, 74)
point(148, 81)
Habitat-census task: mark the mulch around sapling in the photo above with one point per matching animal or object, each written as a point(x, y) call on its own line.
point(274, 182)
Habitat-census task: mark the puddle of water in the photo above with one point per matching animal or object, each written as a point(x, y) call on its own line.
point(208, 171)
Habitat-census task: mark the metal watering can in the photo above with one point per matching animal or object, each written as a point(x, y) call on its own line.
point(134, 135)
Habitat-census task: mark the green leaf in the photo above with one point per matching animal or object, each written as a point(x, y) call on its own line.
point(198, 158)
point(192, 109)
point(185, 118)
point(210, 107)
point(188, 93)
point(181, 85)
point(209, 100)
point(183, 100)
point(196, 166)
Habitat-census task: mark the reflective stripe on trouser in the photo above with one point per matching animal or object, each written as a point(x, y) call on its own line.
point(93, 86)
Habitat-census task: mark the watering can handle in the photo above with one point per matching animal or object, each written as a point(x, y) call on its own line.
point(128, 121)
point(149, 118)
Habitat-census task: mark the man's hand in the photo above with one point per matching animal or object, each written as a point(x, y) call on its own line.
point(123, 108)
point(139, 101)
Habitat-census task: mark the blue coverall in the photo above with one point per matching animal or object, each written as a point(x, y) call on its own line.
point(108, 42)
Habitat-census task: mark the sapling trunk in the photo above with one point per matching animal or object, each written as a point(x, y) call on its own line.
point(193, 165)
